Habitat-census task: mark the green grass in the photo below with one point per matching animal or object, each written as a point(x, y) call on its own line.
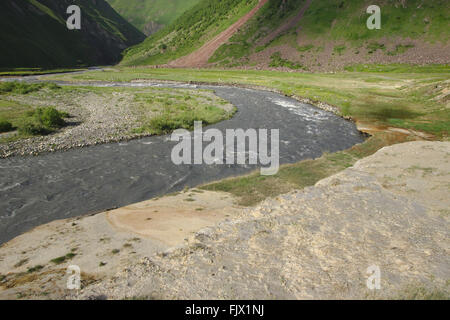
point(24, 88)
point(339, 49)
point(189, 32)
point(5, 126)
point(41, 121)
point(27, 120)
point(399, 49)
point(278, 61)
point(399, 68)
point(341, 22)
point(35, 269)
point(35, 71)
point(253, 188)
point(178, 109)
point(63, 259)
point(141, 13)
point(175, 118)
point(346, 20)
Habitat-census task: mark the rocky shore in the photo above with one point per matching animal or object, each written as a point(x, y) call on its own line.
point(95, 118)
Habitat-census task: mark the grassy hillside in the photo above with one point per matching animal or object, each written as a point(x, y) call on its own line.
point(34, 34)
point(331, 34)
point(197, 25)
point(150, 15)
point(336, 30)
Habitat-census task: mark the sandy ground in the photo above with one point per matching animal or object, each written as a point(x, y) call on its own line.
point(107, 242)
point(389, 210)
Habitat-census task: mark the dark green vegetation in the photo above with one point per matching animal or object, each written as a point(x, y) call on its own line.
point(27, 120)
point(16, 72)
point(175, 118)
point(24, 88)
point(187, 33)
point(41, 121)
point(278, 61)
point(63, 259)
point(150, 15)
point(180, 111)
point(34, 34)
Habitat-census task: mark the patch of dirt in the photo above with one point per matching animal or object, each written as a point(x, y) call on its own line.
point(201, 56)
point(323, 58)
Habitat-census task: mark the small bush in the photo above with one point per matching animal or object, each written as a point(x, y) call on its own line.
point(63, 259)
point(50, 117)
point(42, 121)
point(29, 126)
point(5, 126)
point(278, 61)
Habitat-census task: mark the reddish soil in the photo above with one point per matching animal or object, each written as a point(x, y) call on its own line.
point(200, 57)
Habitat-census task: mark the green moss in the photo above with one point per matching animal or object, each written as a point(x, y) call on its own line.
point(63, 259)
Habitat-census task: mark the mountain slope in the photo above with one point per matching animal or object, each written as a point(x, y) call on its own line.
point(329, 34)
point(34, 34)
point(201, 56)
point(309, 35)
point(189, 32)
point(151, 15)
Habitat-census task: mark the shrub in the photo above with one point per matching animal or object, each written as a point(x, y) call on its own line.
point(5, 126)
point(29, 126)
point(167, 123)
point(50, 117)
point(42, 121)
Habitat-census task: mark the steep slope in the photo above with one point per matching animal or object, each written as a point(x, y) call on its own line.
point(188, 33)
point(328, 34)
point(151, 15)
point(34, 34)
point(308, 35)
point(200, 57)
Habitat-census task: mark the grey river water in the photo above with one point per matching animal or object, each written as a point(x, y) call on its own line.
point(41, 189)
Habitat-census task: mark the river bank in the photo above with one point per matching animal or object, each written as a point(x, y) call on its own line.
point(387, 210)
